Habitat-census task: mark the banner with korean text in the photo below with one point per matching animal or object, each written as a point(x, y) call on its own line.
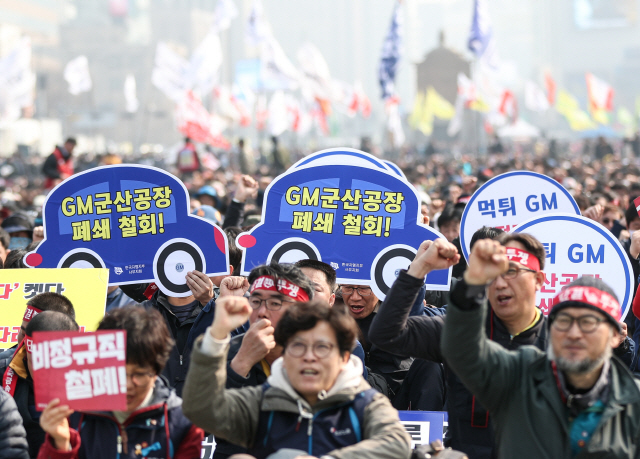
point(85, 288)
point(133, 220)
point(577, 246)
point(86, 371)
point(348, 209)
point(509, 199)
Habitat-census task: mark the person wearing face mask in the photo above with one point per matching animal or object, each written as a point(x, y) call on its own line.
point(20, 229)
point(152, 422)
point(315, 400)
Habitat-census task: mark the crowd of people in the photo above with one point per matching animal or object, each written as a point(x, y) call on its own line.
point(285, 363)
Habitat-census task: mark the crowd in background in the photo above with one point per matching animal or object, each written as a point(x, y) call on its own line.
point(603, 178)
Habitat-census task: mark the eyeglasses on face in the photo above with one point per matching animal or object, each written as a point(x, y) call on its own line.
point(139, 378)
point(272, 304)
point(321, 349)
point(514, 271)
point(347, 291)
point(587, 323)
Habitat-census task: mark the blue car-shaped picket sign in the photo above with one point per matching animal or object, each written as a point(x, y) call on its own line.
point(348, 209)
point(133, 220)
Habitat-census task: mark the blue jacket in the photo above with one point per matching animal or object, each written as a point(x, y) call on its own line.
point(332, 428)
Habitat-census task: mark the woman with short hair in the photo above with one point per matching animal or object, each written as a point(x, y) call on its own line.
point(315, 399)
point(153, 420)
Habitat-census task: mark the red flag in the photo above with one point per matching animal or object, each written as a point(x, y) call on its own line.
point(636, 202)
point(550, 85)
point(194, 121)
point(509, 106)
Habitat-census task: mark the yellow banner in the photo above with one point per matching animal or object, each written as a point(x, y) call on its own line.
point(85, 288)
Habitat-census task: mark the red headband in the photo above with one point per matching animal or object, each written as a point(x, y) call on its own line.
point(28, 343)
point(524, 258)
point(592, 296)
point(30, 313)
point(283, 286)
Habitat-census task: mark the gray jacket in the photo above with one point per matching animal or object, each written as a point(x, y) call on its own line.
point(233, 414)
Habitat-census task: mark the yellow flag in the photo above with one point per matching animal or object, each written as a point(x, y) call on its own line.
point(566, 103)
point(438, 105)
point(568, 106)
point(626, 119)
point(418, 109)
point(421, 117)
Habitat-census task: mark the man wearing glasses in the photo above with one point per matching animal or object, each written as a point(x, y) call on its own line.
point(409, 383)
point(574, 400)
point(273, 288)
point(513, 321)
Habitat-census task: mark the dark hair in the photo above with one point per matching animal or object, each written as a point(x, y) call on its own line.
point(305, 316)
point(52, 301)
point(583, 202)
point(530, 243)
point(486, 232)
point(327, 270)
point(71, 140)
point(235, 253)
point(51, 321)
point(148, 340)
point(15, 259)
point(612, 208)
point(283, 271)
point(631, 213)
point(448, 215)
point(5, 239)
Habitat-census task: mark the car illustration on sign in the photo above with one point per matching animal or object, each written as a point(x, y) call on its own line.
point(348, 209)
point(133, 220)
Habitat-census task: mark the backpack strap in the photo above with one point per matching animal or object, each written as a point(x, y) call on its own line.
point(356, 410)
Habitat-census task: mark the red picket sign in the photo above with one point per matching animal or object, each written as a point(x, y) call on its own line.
point(86, 371)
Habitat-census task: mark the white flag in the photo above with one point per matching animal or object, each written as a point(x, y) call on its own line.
point(170, 73)
point(600, 93)
point(130, 97)
point(315, 72)
point(202, 74)
point(258, 29)
point(278, 120)
point(394, 123)
point(76, 74)
point(276, 68)
point(224, 13)
point(535, 98)
point(17, 81)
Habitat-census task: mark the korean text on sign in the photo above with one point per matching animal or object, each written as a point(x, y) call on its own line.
point(351, 201)
point(87, 371)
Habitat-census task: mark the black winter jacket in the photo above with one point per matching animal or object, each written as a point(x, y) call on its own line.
point(13, 438)
point(184, 334)
point(25, 401)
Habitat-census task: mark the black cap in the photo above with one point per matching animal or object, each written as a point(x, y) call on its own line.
point(17, 222)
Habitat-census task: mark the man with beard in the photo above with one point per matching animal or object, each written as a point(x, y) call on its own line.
point(575, 400)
